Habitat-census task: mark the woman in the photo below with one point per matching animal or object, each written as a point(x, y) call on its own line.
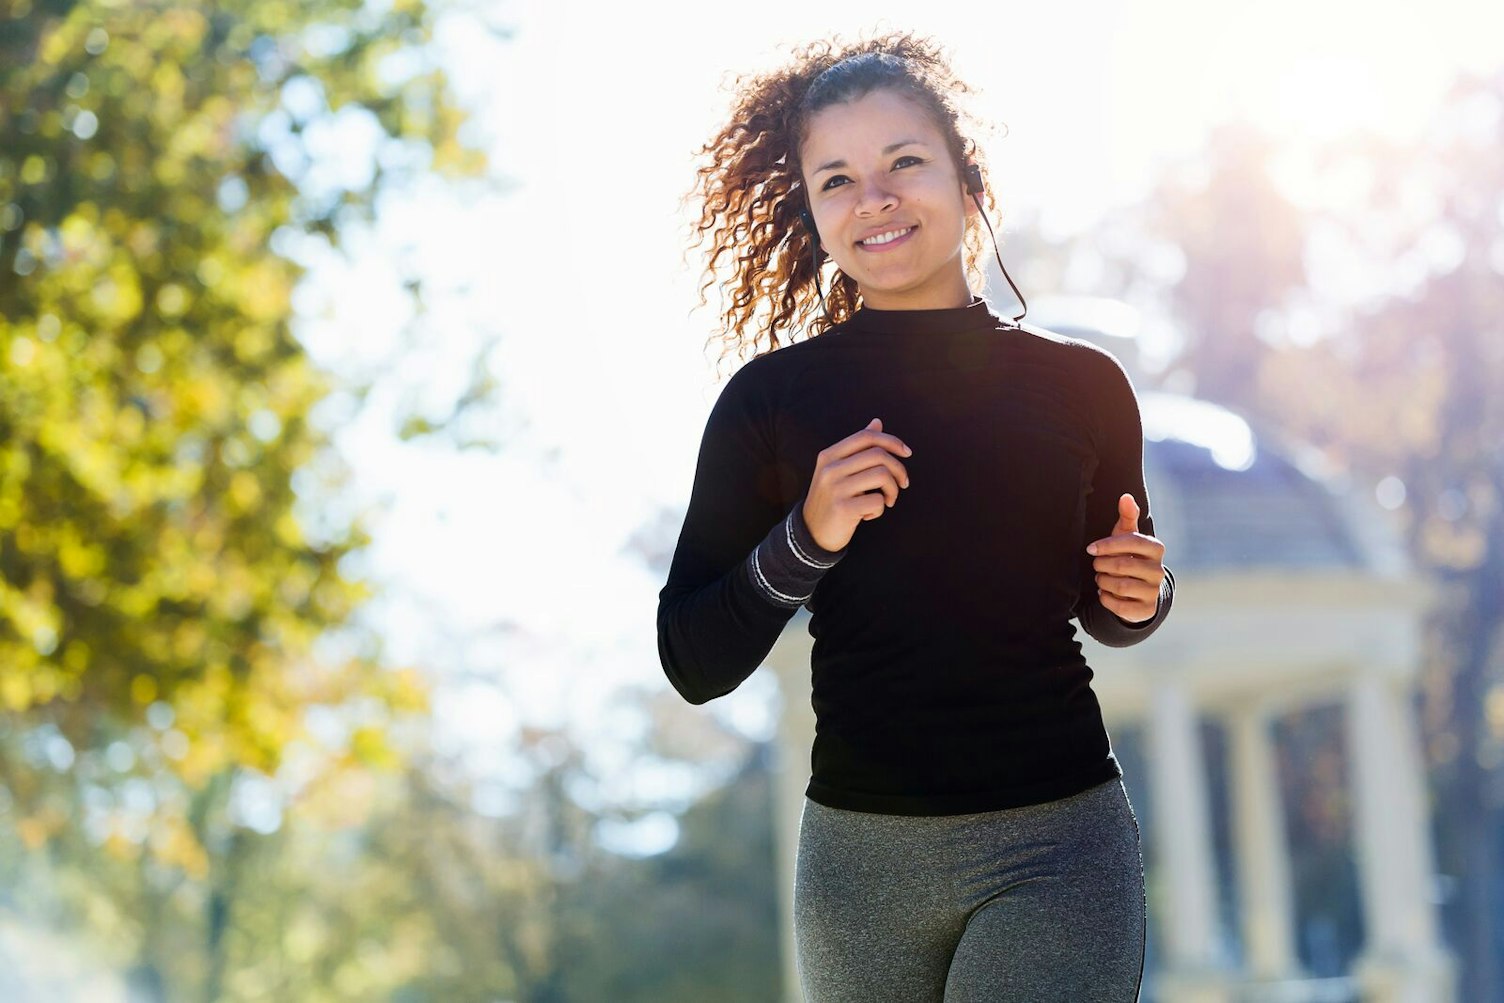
point(965, 833)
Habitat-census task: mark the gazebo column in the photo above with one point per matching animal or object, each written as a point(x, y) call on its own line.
point(1193, 972)
point(1262, 850)
point(1402, 961)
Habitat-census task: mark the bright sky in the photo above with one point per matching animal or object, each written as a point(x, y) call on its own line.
point(509, 569)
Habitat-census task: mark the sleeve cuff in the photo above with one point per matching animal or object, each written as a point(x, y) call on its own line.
point(787, 565)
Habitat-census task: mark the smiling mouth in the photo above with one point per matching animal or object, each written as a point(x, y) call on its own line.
point(887, 237)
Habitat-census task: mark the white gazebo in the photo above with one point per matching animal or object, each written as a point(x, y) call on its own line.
point(1290, 593)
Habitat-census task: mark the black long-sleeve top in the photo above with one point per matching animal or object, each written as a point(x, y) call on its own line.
point(946, 674)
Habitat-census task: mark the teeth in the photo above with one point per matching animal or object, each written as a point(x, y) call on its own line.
point(884, 238)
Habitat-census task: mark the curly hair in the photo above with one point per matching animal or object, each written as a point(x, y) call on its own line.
point(753, 189)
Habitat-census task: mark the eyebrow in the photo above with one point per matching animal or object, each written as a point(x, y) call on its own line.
point(886, 150)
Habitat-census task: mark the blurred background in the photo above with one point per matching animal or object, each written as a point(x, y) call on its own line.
point(351, 377)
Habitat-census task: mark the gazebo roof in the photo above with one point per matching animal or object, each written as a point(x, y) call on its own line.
point(1238, 502)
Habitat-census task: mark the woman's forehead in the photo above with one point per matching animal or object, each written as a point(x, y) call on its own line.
point(877, 122)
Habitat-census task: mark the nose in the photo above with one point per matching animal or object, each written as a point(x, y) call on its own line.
point(873, 197)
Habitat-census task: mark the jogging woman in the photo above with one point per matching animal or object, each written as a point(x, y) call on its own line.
point(945, 490)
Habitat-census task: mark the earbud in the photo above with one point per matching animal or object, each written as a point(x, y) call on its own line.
point(973, 180)
point(809, 223)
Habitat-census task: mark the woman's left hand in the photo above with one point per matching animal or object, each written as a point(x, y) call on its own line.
point(1130, 566)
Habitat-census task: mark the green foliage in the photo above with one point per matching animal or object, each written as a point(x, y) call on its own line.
point(165, 567)
point(698, 922)
point(155, 402)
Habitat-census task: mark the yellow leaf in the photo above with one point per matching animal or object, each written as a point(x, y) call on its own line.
point(143, 689)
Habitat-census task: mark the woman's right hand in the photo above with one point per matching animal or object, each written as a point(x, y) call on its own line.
point(855, 479)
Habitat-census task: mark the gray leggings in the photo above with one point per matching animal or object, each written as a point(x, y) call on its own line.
point(1036, 904)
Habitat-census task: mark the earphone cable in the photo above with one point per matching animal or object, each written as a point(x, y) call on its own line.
point(995, 250)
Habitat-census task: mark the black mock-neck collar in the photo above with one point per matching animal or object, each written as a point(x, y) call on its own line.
point(974, 316)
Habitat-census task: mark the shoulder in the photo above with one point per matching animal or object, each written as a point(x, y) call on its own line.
point(1090, 361)
point(766, 377)
point(1097, 377)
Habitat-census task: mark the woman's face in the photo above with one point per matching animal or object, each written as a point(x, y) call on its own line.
point(877, 165)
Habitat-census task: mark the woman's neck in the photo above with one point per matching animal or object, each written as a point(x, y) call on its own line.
point(905, 325)
point(951, 296)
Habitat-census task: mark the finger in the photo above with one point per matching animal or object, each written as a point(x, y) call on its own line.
point(1128, 543)
point(1149, 574)
point(890, 469)
point(874, 479)
point(872, 435)
point(1127, 515)
point(1133, 612)
point(1128, 593)
point(1129, 565)
point(1127, 588)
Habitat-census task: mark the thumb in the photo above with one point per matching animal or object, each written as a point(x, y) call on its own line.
point(876, 421)
point(1127, 515)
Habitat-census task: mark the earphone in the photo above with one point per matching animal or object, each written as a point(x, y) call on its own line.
point(974, 188)
point(973, 179)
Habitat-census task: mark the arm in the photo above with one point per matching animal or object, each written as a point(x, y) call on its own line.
point(1120, 468)
point(743, 563)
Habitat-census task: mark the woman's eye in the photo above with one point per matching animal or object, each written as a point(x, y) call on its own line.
point(838, 177)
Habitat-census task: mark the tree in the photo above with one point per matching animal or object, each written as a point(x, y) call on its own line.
point(165, 570)
point(1396, 381)
point(1396, 384)
point(1236, 242)
point(1408, 389)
